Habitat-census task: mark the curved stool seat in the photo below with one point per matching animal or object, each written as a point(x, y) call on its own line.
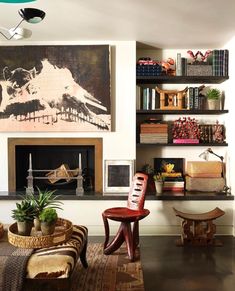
point(199, 229)
point(127, 215)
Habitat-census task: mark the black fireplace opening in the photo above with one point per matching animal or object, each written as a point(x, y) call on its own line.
point(51, 157)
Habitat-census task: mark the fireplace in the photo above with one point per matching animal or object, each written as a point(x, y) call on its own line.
point(52, 153)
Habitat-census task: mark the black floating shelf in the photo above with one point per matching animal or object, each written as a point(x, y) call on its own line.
point(184, 144)
point(184, 111)
point(181, 79)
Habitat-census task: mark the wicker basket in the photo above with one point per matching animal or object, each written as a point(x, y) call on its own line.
point(36, 240)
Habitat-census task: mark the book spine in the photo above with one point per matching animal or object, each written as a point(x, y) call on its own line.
point(191, 98)
point(138, 97)
point(225, 63)
point(184, 66)
point(196, 98)
point(153, 105)
point(215, 62)
point(178, 65)
point(221, 62)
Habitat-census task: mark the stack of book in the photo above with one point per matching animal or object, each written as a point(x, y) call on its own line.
point(148, 70)
point(153, 133)
point(174, 182)
point(195, 101)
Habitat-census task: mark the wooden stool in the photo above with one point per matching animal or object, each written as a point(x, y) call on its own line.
point(199, 229)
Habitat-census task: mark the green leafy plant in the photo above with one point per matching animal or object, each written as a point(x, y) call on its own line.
point(148, 169)
point(44, 199)
point(213, 94)
point(48, 215)
point(158, 177)
point(25, 211)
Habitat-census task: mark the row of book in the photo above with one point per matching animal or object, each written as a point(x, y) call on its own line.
point(154, 133)
point(195, 101)
point(148, 70)
point(149, 99)
point(220, 59)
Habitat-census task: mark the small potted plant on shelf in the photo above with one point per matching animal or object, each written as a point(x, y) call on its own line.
point(44, 199)
point(48, 218)
point(159, 181)
point(213, 99)
point(24, 215)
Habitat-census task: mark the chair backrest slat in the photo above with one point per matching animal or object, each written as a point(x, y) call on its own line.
point(136, 197)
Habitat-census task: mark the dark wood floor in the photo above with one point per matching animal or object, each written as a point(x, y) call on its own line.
point(167, 267)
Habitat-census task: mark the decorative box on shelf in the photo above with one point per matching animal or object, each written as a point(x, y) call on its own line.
point(199, 69)
point(185, 140)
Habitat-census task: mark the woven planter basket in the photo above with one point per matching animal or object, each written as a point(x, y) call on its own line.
point(36, 240)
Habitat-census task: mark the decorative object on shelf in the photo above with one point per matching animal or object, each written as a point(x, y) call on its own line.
point(205, 155)
point(213, 99)
point(48, 218)
point(218, 133)
point(199, 56)
point(169, 67)
point(118, 176)
point(159, 182)
point(171, 170)
point(172, 99)
point(147, 67)
point(186, 130)
point(199, 65)
point(31, 15)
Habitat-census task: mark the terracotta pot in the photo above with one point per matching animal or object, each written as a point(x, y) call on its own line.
point(24, 227)
point(47, 228)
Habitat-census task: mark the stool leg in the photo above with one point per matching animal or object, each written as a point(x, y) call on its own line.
point(116, 242)
point(129, 239)
point(106, 228)
point(135, 235)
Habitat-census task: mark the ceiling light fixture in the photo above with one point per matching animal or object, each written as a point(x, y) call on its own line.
point(30, 15)
point(16, 1)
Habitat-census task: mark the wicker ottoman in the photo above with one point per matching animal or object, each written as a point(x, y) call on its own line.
point(51, 268)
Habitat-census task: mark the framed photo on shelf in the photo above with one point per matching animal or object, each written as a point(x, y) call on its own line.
point(118, 176)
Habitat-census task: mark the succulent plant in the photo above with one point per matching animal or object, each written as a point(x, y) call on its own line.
point(213, 94)
point(48, 215)
point(44, 199)
point(25, 211)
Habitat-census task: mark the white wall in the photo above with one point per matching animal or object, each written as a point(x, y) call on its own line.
point(120, 144)
point(123, 110)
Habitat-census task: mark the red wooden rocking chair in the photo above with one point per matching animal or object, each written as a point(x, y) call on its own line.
point(126, 215)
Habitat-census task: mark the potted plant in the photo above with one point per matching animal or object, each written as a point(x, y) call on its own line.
point(44, 199)
point(159, 181)
point(48, 218)
point(24, 215)
point(213, 99)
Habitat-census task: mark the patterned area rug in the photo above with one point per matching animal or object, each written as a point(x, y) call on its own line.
point(108, 273)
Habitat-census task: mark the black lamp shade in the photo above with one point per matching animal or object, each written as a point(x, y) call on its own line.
point(32, 15)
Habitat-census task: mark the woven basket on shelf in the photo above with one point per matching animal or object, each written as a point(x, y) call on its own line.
point(63, 232)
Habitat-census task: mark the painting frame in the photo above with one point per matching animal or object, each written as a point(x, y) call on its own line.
point(57, 88)
point(114, 169)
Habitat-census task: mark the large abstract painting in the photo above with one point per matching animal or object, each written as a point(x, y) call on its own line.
point(55, 88)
